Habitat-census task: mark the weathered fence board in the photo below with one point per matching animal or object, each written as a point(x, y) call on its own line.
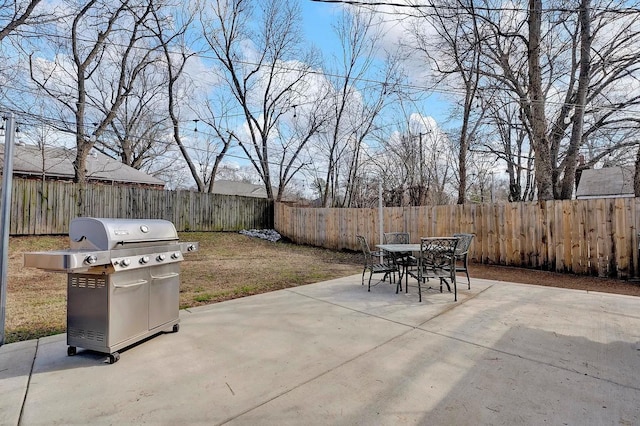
point(42, 208)
point(594, 237)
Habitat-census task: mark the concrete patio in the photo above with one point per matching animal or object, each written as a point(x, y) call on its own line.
point(331, 353)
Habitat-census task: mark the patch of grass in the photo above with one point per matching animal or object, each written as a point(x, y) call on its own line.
point(248, 289)
point(203, 298)
point(20, 334)
point(227, 266)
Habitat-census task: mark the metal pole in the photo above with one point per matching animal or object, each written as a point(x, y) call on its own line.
point(380, 216)
point(421, 192)
point(5, 208)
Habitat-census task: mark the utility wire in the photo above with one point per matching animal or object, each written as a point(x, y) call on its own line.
point(165, 143)
point(364, 3)
point(281, 66)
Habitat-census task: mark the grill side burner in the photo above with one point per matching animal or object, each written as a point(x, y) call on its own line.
point(123, 282)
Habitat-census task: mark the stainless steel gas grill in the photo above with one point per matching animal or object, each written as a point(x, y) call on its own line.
point(123, 281)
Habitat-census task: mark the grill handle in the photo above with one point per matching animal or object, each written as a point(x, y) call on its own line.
point(123, 243)
point(133, 284)
point(165, 276)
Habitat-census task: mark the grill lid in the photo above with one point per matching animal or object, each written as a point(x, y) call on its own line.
point(90, 233)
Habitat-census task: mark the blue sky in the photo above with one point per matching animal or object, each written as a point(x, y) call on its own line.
point(318, 19)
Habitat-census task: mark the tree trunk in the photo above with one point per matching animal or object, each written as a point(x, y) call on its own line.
point(570, 161)
point(537, 105)
point(636, 174)
point(80, 166)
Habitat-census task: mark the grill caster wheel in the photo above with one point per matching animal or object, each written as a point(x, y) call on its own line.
point(176, 328)
point(114, 357)
point(71, 350)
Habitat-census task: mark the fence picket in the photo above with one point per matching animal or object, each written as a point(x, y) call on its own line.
point(596, 237)
point(46, 208)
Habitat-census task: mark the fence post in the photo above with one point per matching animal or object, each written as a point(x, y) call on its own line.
point(5, 209)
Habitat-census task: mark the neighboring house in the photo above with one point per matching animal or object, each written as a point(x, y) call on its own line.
point(244, 189)
point(232, 187)
point(56, 163)
point(608, 182)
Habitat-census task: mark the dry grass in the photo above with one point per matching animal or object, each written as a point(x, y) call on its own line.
point(230, 265)
point(227, 266)
point(36, 300)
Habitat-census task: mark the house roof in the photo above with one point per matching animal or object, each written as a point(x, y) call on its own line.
point(57, 162)
point(606, 182)
point(230, 187)
point(233, 187)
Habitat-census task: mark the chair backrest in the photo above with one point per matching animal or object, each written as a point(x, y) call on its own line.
point(368, 257)
point(438, 250)
point(396, 238)
point(464, 242)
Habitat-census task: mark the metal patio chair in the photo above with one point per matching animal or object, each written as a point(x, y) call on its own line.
point(372, 265)
point(462, 254)
point(405, 261)
point(437, 260)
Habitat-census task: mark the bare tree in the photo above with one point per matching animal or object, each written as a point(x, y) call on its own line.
point(356, 101)
point(217, 144)
point(136, 134)
point(415, 160)
point(565, 95)
point(507, 140)
point(20, 22)
point(176, 55)
point(566, 68)
point(264, 66)
point(455, 58)
point(14, 14)
point(108, 47)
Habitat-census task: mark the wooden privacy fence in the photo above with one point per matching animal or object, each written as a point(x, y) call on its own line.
point(592, 237)
point(41, 208)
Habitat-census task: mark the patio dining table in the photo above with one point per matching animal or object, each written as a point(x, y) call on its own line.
point(441, 247)
point(395, 250)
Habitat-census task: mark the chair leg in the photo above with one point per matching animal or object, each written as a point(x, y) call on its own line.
point(464, 268)
point(455, 290)
point(455, 285)
point(363, 271)
point(370, 275)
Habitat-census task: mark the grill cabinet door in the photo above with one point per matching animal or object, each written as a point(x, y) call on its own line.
point(164, 295)
point(129, 305)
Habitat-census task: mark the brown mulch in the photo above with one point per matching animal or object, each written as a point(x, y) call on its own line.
point(554, 279)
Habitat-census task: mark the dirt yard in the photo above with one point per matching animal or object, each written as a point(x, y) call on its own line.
point(228, 266)
point(578, 282)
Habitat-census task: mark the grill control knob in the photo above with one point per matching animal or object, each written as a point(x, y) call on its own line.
point(175, 255)
point(191, 247)
point(161, 258)
point(91, 259)
point(144, 259)
point(125, 262)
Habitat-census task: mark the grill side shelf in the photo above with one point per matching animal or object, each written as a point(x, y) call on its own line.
point(65, 260)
